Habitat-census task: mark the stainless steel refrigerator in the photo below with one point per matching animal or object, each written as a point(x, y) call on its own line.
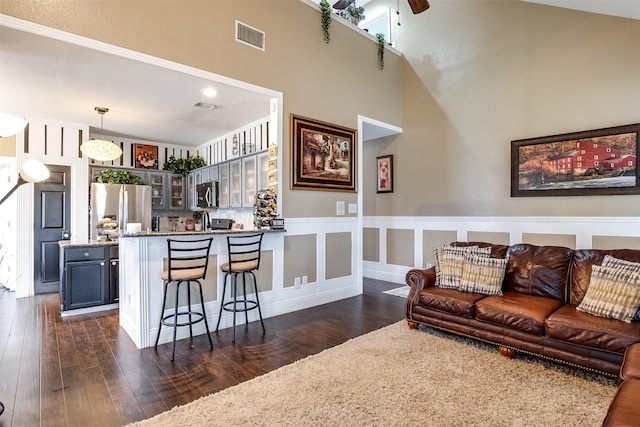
point(115, 205)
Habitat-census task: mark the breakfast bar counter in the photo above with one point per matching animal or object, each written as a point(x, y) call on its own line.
point(143, 257)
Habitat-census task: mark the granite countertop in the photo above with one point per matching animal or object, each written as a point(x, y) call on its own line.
point(80, 243)
point(191, 233)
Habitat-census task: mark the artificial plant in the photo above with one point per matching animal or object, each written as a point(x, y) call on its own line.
point(381, 43)
point(325, 14)
point(184, 165)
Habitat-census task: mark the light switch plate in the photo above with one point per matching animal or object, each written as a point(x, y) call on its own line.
point(340, 208)
point(353, 208)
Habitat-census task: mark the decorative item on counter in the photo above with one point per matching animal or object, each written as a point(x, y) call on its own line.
point(197, 218)
point(155, 223)
point(264, 208)
point(190, 225)
point(277, 223)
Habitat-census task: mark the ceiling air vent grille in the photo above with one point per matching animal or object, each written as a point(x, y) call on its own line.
point(249, 35)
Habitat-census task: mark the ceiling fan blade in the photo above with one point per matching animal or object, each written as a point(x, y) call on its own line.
point(418, 6)
point(342, 4)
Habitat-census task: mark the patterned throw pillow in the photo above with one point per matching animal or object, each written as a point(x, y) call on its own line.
point(613, 293)
point(610, 261)
point(482, 274)
point(449, 263)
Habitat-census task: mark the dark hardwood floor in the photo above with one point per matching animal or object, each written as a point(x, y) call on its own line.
point(85, 371)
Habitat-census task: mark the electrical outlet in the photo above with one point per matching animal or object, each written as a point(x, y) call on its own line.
point(305, 280)
point(296, 282)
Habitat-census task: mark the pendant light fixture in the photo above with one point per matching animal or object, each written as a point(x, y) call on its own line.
point(100, 149)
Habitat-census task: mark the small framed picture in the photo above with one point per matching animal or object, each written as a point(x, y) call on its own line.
point(385, 174)
point(146, 156)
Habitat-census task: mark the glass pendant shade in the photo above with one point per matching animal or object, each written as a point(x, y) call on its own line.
point(10, 125)
point(101, 150)
point(34, 171)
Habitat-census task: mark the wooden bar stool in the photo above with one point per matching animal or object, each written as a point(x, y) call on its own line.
point(244, 259)
point(187, 264)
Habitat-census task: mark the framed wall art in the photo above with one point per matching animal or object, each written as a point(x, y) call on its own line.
point(384, 165)
point(594, 162)
point(323, 156)
point(146, 156)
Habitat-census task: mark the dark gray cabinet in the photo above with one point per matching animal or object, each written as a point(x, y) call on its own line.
point(88, 276)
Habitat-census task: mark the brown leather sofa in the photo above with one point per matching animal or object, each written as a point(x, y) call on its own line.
point(624, 410)
point(537, 312)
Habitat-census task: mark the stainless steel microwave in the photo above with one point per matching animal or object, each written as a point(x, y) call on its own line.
point(207, 195)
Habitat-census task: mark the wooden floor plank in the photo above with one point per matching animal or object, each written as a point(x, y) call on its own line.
point(85, 371)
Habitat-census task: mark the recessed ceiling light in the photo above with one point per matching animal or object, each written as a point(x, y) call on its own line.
point(209, 92)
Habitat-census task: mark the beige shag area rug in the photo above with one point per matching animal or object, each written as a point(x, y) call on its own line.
point(400, 377)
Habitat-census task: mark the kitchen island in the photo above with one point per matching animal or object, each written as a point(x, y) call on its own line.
point(143, 257)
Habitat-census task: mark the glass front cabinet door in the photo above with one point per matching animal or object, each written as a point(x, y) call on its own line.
point(158, 182)
point(235, 183)
point(249, 181)
point(176, 192)
point(223, 171)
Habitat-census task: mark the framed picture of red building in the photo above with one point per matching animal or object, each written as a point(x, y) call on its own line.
point(594, 162)
point(323, 155)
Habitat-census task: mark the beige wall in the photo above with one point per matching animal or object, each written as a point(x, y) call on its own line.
point(338, 255)
point(331, 82)
point(8, 146)
point(493, 71)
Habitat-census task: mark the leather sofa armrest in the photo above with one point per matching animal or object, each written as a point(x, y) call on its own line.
point(418, 280)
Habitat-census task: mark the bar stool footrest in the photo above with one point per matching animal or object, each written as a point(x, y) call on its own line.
point(165, 322)
point(251, 305)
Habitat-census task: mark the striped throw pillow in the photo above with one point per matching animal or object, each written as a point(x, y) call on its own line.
point(483, 275)
point(613, 293)
point(610, 261)
point(449, 263)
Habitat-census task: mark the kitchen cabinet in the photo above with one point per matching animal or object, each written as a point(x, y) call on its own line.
point(223, 171)
point(158, 183)
point(263, 170)
point(249, 181)
point(88, 276)
point(193, 179)
point(235, 183)
point(176, 192)
point(209, 173)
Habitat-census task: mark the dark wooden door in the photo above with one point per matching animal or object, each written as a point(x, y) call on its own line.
point(51, 224)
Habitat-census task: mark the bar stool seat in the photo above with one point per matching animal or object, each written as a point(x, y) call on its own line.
point(244, 260)
point(187, 265)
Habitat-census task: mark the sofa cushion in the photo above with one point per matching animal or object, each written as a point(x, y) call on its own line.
point(584, 259)
point(614, 292)
point(483, 275)
point(538, 270)
point(449, 300)
point(525, 313)
point(577, 327)
point(630, 364)
point(449, 262)
point(624, 410)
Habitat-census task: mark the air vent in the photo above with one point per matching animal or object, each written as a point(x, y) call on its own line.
point(205, 105)
point(249, 35)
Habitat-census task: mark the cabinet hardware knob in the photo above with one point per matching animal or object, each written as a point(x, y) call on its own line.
point(102, 263)
point(86, 254)
point(113, 262)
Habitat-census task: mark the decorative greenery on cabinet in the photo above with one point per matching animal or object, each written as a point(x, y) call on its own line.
point(380, 38)
point(111, 176)
point(325, 11)
point(183, 166)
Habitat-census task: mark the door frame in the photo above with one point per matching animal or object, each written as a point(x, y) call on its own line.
point(24, 225)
